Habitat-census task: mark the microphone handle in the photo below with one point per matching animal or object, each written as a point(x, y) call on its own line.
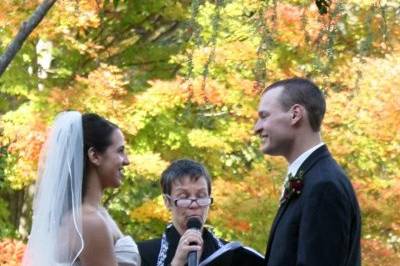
point(192, 258)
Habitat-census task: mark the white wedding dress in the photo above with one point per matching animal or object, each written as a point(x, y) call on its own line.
point(126, 252)
point(125, 248)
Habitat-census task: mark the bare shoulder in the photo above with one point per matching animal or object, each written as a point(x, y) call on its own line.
point(98, 241)
point(92, 222)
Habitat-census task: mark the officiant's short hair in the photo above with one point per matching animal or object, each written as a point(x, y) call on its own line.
point(180, 169)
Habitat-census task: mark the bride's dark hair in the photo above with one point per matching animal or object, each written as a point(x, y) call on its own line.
point(97, 133)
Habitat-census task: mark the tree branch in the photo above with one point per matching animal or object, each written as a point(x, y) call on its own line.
point(26, 28)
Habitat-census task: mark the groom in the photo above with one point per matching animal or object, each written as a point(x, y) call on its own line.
point(318, 221)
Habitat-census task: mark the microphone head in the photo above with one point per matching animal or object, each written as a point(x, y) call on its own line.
point(193, 223)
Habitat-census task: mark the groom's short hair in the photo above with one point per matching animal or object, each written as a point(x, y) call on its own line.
point(306, 93)
point(183, 168)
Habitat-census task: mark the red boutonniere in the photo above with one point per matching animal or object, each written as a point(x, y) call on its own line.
point(293, 186)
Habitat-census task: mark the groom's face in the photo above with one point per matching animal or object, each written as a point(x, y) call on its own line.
point(274, 124)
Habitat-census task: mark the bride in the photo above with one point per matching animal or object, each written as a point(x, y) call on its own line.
point(83, 155)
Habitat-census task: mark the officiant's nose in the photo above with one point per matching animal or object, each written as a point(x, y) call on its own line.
point(194, 204)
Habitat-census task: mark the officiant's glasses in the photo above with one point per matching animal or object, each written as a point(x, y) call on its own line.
point(186, 202)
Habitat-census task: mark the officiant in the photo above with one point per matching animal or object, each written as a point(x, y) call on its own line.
point(186, 188)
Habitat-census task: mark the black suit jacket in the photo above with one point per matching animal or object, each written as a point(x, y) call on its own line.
point(321, 226)
point(149, 249)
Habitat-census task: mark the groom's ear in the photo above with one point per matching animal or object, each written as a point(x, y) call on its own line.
point(297, 113)
point(94, 156)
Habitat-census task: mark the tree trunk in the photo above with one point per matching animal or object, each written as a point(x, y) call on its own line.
point(24, 221)
point(26, 28)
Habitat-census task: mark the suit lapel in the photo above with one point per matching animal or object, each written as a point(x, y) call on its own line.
point(314, 157)
point(281, 210)
point(318, 154)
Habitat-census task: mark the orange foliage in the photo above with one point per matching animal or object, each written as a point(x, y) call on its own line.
point(104, 90)
point(248, 87)
point(151, 209)
point(204, 92)
point(234, 52)
point(12, 15)
point(375, 253)
point(28, 142)
point(11, 252)
point(240, 225)
point(363, 122)
point(66, 18)
point(24, 133)
point(237, 201)
point(162, 96)
point(380, 199)
point(77, 14)
point(287, 26)
point(148, 165)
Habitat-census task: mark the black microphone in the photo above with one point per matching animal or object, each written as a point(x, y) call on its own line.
point(193, 223)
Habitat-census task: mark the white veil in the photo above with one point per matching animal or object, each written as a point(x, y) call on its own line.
point(56, 234)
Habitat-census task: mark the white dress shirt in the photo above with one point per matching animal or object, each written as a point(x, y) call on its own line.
point(295, 165)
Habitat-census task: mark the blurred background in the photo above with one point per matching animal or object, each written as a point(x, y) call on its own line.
point(182, 79)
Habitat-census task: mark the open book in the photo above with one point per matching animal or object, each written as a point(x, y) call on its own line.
point(234, 254)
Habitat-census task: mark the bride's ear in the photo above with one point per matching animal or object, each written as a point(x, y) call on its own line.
point(94, 156)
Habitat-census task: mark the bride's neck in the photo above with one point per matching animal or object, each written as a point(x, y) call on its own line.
point(94, 191)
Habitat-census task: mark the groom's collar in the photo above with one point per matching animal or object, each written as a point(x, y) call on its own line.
point(295, 165)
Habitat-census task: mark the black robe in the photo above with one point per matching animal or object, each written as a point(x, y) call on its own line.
point(150, 249)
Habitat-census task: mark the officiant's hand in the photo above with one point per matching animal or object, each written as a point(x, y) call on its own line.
point(191, 240)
